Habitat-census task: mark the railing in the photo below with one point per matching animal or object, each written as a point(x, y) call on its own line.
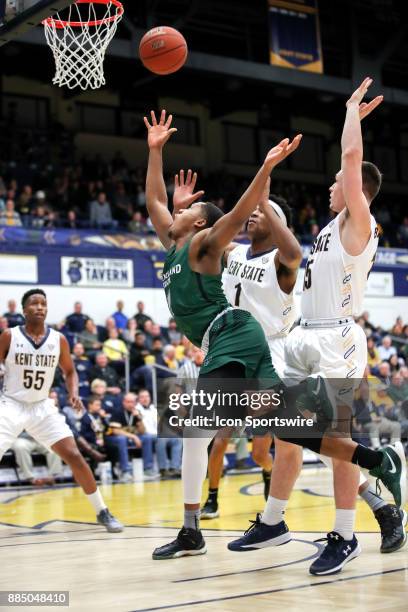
point(155, 367)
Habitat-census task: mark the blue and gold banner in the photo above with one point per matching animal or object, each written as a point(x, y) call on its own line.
point(294, 35)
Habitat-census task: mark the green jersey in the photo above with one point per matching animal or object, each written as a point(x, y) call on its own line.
point(194, 299)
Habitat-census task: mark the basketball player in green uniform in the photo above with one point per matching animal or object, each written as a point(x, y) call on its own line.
point(234, 342)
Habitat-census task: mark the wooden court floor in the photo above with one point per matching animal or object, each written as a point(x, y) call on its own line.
point(49, 540)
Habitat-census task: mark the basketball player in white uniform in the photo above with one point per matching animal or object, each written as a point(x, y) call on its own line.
point(329, 343)
point(260, 278)
point(31, 354)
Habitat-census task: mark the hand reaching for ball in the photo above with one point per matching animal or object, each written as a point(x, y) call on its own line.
point(159, 133)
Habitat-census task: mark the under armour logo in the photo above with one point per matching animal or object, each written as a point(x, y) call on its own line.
point(336, 536)
point(347, 550)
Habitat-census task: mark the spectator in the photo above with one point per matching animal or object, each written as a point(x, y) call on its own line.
point(398, 389)
point(89, 338)
point(140, 316)
point(71, 221)
point(114, 348)
point(25, 201)
point(138, 352)
point(173, 334)
point(75, 322)
point(373, 356)
point(169, 357)
point(3, 324)
point(386, 350)
point(41, 218)
point(129, 334)
point(9, 216)
point(384, 418)
point(82, 367)
point(110, 402)
point(13, 317)
point(383, 373)
point(118, 316)
point(137, 225)
point(102, 371)
point(101, 214)
point(23, 448)
point(402, 233)
point(362, 409)
point(130, 417)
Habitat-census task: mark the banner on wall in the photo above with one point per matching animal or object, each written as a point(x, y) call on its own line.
point(96, 272)
point(18, 269)
point(294, 35)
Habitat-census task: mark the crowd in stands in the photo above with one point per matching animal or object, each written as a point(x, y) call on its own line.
point(93, 193)
point(120, 420)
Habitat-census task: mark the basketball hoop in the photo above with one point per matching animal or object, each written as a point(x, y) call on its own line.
point(80, 39)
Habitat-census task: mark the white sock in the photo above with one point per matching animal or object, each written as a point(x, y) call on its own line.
point(96, 500)
point(274, 510)
point(344, 524)
point(376, 442)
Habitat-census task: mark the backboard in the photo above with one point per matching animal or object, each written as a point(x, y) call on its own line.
point(19, 16)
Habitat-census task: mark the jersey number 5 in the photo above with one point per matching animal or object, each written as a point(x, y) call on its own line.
point(33, 379)
point(307, 283)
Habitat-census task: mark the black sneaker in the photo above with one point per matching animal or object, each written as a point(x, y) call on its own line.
point(335, 555)
point(393, 472)
point(266, 476)
point(189, 542)
point(110, 523)
point(392, 521)
point(260, 535)
point(320, 399)
point(210, 510)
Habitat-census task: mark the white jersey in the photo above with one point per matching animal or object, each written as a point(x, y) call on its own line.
point(30, 368)
point(334, 281)
point(251, 283)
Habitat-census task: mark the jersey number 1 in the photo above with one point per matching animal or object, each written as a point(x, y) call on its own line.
point(238, 293)
point(31, 381)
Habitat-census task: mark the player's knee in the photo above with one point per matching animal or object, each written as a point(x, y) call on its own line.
point(72, 456)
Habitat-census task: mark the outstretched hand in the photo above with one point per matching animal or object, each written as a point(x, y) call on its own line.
point(184, 187)
point(364, 108)
point(282, 150)
point(158, 133)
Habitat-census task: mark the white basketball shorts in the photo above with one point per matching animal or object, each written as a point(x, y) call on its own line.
point(338, 353)
point(40, 419)
point(277, 349)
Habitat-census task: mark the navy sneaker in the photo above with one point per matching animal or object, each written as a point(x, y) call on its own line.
point(393, 472)
point(189, 542)
point(260, 535)
point(335, 554)
point(392, 521)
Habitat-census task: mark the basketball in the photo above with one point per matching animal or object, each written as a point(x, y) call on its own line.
point(163, 50)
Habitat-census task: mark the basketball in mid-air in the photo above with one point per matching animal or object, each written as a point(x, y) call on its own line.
point(163, 50)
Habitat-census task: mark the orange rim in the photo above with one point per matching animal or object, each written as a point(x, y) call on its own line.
point(59, 23)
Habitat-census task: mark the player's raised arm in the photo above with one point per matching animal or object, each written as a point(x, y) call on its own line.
point(289, 250)
point(224, 230)
point(352, 157)
point(156, 195)
point(71, 377)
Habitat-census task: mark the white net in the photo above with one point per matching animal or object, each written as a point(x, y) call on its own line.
point(79, 41)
